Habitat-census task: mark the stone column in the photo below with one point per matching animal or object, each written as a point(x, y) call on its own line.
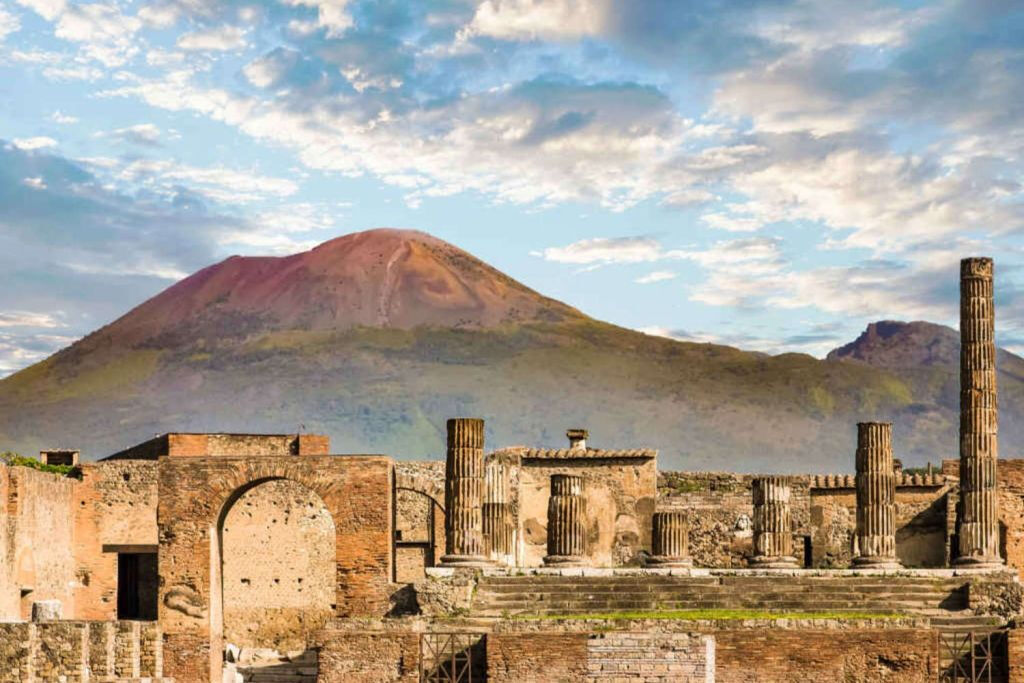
point(876, 497)
point(979, 508)
point(670, 540)
point(499, 533)
point(773, 535)
point(567, 526)
point(463, 494)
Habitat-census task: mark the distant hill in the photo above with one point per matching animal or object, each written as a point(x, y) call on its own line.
point(377, 337)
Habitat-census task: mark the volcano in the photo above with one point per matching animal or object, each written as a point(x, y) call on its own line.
point(377, 337)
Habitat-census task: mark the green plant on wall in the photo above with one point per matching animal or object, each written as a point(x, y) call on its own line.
point(12, 459)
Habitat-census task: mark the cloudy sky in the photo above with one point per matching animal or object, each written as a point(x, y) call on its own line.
point(771, 174)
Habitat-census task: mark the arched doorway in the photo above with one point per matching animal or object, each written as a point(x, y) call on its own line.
point(278, 567)
point(419, 533)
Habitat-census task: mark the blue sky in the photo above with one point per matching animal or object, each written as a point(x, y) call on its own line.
point(769, 174)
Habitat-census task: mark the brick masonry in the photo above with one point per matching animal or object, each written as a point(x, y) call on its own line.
point(369, 657)
point(813, 656)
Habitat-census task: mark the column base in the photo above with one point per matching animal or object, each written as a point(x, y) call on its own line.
point(565, 561)
point(872, 562)
point(979, 562)
point(666, 562)
point(465, 561)
point(779, 562)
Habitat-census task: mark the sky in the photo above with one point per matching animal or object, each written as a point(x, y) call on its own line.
point(769, 174)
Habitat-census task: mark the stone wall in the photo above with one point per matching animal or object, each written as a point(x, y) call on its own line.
point(811, 656)
point(369, 657)
point(357, 490)
point(80, 650)
point(115, 511)
point(1010, 474)
point(278, 552)
point(36, 541)
point(719, 507)
point(419, 518)
point(178, 445)
point(536, 657)
point(620, 495)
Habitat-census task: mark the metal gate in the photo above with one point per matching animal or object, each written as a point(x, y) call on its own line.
point(973, 657)
point(453, 658)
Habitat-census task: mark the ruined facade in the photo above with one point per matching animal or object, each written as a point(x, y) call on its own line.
point(235, 557)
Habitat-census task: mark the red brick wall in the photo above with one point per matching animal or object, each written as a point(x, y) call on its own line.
point(814, 656)
point(355, 489)
point(347, 657)
point(1015, 647)
point(536, 657)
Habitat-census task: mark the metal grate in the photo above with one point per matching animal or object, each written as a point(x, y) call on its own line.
point(452, 658)
point(973, 657)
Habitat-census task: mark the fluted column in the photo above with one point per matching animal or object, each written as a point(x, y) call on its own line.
point(773, 536)
point(876, 497)
point(567, 529)
point(978, 528)
point(499, 531)
point(670, 540)
point(463, 494)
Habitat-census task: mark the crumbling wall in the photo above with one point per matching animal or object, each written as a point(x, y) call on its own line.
point(115, 511)
point(369, 657)
point(81, 650)
point(38, 533)
point(419, 518)
point(719, 507)
point(1010, 475)
point(620, 495)
point(278, 559)
point(779, 655)
point(536, 657)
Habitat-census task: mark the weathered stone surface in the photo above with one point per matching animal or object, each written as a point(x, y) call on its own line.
point(773, 533)
point(671, 547)
point(876, 494)
point(464, 492)
point(567, 514)
point(979, 423)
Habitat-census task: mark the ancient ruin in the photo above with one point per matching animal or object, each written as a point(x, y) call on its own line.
point(203, 558)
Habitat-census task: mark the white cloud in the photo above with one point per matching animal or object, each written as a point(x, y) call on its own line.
point(606, 250)
point(8, 24)
point(47, 9)
point(74, 73)
point(331, 14)
point(145, 134)
point(159, 16)
point(36, 183)
point(29, 319)
point(63, 119)
point(657, 276)
point(218, 183)
point(539, 19)
point(106, 35)
point(216, 39)
point(39, 142)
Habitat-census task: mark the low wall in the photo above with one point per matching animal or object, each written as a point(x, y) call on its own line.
point(348, 656)
point(813, 655)
point(80, 650)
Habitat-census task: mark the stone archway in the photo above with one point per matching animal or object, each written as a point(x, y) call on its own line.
point(278, 567)
point(419, 525)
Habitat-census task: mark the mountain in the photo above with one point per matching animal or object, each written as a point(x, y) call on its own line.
point(376, 338)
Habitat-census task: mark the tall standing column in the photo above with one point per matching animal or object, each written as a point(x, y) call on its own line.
point(670, 540)
point(463, 494)
point(978, 528)
point(499, 532)
point(876, 497)
point(567, 514)
point(773, 535)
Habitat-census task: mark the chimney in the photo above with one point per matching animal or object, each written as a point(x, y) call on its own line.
point(577, 438)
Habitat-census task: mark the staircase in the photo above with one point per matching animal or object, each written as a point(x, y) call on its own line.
point(498, 596)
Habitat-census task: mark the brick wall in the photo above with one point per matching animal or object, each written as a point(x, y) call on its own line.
point(536, 657)
point(365, 657)
point(813, 656)
point(67, 650)
point(37, 531)
point(651, 657)
point(1015, 651)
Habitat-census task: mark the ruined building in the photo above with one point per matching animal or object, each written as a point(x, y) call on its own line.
point(225, 557)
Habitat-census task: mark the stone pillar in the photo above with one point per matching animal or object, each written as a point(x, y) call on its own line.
point(670, 540)
point(773, 535)
point(567, 525)
point(499, 531)
point(463, 494)
point(876, 497)
point(978, 530)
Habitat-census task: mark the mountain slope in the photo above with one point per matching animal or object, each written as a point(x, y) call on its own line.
point(375, 338)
